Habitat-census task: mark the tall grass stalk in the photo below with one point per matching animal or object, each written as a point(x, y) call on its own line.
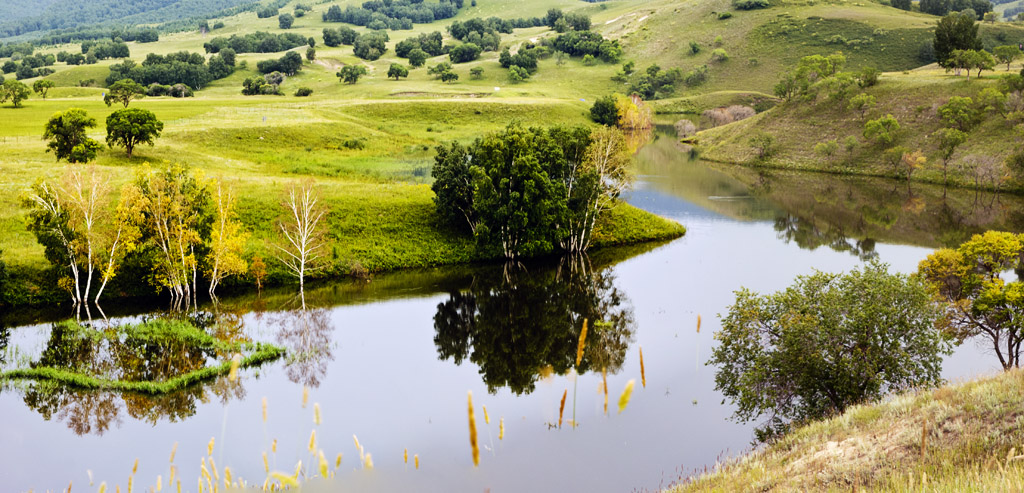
point(561, 407)
point(643, 374)
point(604, 383)
point(582, 344)
point(627, 392)
point(472, 430)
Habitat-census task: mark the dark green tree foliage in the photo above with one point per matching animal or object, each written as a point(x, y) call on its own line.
point(826, 343)
point(955, 32)
point(340, 36)
point(513, 324)
point(901, 4)
point(66, 133)
point(176, 68)
point(266, 13)
point(604, 111)
point(943, 7)
point(526, 58)
point(429, 43)
point(466, 52)
point(285, 21)
point(257, 42)
point(393, 14)
point(481, 32)
point(268, 84)
point(581, 43)
point(371, 46)
point(130, 127)
point(417, 57)
point(397, 70)
point(520, 203)
point(289, 64)
point(106, 49)
point(750, 4)
point(655, 83)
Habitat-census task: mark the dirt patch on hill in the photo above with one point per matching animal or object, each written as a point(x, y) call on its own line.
point(421, 94)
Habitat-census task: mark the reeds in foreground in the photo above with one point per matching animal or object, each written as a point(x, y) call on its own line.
point(472, 431)
point(582, 344)
point(501, 429)
point(416, 459)
point(643, 374)
point(604, 383)
point(316, 413)
point(626, 394)
point(487, 418)
point(561, 407)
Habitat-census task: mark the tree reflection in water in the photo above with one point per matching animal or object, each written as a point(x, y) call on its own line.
point(95, 412)
point(514, 322)
point(808, 236)
point(306, 334)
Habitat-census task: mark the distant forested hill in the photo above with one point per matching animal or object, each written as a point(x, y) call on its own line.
point(19, 17)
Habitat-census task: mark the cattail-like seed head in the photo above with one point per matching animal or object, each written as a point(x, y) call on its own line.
point(472, 431)
point(298, 470)
point(316, 413)
point(312, 441)
point(501, 429)
point(323, 465)
point(103, 487)
point(209, 447)
point(266, 464)
point(582, 344)
point(561, 407)
point(135, 466)
point(174, 472)
point(227, 477)
point(643, 374)
point(236, 361)
point(159, 482)
point(213, 469)
point(264, 409)
point(405, 456)
point(273, 446)
point(698, 323)
point(179, 486)
point(626, 394)
point(487, 419)
point(416, 460)
point(368, 464)
point(130, 480)
point(174, 451)
point(362, 457)
point(305, 396)
point(337, 461)
point(604, 383)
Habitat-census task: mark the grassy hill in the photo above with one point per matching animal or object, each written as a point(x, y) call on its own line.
point(959, 438)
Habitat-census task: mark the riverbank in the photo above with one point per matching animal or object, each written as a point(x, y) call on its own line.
point(961, 437)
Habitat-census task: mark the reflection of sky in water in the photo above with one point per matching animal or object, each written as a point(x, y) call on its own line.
point(385, 383)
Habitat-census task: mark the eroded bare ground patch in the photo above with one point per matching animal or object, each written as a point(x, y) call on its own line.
point(423, 94)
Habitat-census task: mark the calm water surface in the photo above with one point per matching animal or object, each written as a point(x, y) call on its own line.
point(402, 350)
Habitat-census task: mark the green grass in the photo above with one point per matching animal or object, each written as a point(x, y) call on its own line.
point(164, 334)
point(911, 97)
point(972, 435)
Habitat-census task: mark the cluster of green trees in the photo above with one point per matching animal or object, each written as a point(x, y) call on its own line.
point(103, 50)
point(942, 7)
point(525, 192)
point(583, 43)
point(480, 32)
point(29, 66)
point(267, 84)
point(191, 69)
point(562, 22)
point(653, 83)
point(418, 49)
point(66, 136)
point(393, 14)
point(13, 90)
point(628, 113)
point(371, 46)
point(341, 36)
point(257, 42)
point(289, 64)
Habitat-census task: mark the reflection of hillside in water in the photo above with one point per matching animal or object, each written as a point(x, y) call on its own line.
point(840, 212)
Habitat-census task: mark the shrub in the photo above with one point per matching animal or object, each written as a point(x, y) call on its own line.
point(750, 4)
point(724, 15)
point(719, 55)
point(303, 92)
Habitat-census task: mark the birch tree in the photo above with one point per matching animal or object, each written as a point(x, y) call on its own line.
point(227, 240)
point(607, 159)
point(301, 230)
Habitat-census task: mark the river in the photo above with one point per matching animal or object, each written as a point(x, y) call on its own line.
point(391, 360)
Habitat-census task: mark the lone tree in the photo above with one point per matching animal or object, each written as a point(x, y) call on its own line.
point(66, 133)
point(130, 127)
point(949, 140)
point(826, 343)
point(124, 91)
point(42, 86)
point(417, 57)
point(14, 90)
point(350, 74)
point(285, 21)
point(883, 130)
point(1006, 54)
point(979, 302)
point(301, 229)
point(397, 70)
point(604, 111)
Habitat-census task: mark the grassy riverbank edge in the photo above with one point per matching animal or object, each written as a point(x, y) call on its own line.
point(960, 437)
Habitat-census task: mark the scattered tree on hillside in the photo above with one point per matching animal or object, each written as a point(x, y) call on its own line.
point(1006, 54)
point(66, 132)
point(285, 21)
point(826, 343)
point(311, 53)
point(476, 72)
point(949, 140)
point(397, 70)
point(863, 103)
point(449, 76)
point(350, 74)
point(417, 57)
point(882, 130)
point(604, 111)
point(42, 86)
point(130, 127)
point(959, 112)
point(955, 31)
point(15, 91)
point(123, 92)
point(911, 162)
point(979, 303)
point(301, 229)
